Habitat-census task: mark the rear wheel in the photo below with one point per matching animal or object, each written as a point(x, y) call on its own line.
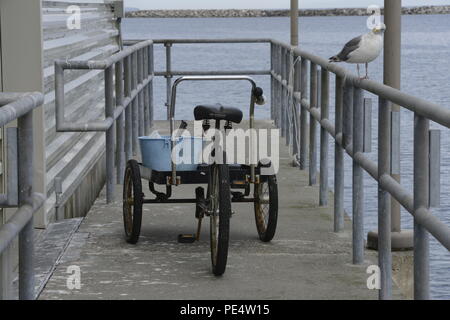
point(220, 213)
point(266, 208)
point(132, 202)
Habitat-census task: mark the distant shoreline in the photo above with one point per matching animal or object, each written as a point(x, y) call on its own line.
point(255, 13)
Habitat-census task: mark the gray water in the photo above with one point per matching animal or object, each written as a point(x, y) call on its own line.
point(425, 74)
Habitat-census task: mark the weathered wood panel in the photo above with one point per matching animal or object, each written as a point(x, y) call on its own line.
point(72, 156)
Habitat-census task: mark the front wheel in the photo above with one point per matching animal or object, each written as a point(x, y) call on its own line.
point(220, 212)
point(266, 208)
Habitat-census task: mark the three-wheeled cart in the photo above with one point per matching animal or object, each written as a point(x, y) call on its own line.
point(226, 183)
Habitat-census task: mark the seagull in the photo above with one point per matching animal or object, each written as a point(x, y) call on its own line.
point(362, 49)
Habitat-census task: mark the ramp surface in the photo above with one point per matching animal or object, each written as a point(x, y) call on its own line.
point(306, 259)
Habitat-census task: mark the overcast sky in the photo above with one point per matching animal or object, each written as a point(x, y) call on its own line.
point(263, 4)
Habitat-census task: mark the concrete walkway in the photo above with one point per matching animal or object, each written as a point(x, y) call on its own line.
point(306, 260)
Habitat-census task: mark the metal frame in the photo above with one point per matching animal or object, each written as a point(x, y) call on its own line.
point(20, 106)
point(210, 78)
point(348, 133)
point(128, 105)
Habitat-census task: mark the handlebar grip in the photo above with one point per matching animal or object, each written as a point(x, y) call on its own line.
point(258, 92)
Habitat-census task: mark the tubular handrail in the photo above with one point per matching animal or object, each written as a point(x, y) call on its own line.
point(205, 41)
point(128, 105)
point(61, 65)
point(432, 111)
point(347, 133)
point(425, 108)
point(103, 63)
point(439, 229)
point(19, 106)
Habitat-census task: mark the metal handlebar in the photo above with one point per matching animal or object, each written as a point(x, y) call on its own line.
point(209, 78)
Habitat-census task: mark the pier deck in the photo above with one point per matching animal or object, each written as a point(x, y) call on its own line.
point(306, 259)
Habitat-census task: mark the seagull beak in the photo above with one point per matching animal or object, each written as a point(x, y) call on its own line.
point(379, 29)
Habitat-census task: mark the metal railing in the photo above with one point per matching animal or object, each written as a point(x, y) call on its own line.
point(128, 105)
point(20, 193)
point(348, 133)
point(292, 72)
point(169, 73)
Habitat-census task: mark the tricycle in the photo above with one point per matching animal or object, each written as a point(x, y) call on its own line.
point(226, 183)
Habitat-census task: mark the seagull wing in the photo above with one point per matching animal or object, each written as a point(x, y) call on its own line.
point(349, 47)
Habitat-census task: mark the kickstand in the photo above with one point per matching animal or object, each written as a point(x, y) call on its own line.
point(199, 229)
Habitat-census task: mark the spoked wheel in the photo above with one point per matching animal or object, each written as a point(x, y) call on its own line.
point(132, 202)
point(220, 213)
point(266, 208)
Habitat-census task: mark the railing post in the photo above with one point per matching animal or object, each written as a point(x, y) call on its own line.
point(120, 130)
point(128, 111)
point(367, 148)
point(435, 168)
point(284, 92)
point(297, 107)
point(59, 207)
point(347, 128)
point(110, 143)
point(168, 75)
point(6, 290)
point(151, 70)
point(289, 96)
point(421, 200)
point(272, 80)
point(339, 159)
point(275, 98)
point(146, 92)
point(280, 91)
point(135, 105)
point(358, 178)
point(140, 97)
point(303, 113)
point(280, 88)
point(312, 126)
point(324, 114)
point(319, 89)
point(384, 200)
point(26, 236)
point(11, 153)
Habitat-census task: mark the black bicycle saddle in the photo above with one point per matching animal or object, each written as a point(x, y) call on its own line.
point(217, 112)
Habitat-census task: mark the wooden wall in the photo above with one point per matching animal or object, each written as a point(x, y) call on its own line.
point(75, 157)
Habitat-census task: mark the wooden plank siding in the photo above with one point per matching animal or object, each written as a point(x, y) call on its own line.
point(73, 155)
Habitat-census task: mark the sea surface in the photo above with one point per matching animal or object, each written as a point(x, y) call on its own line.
point(425, 74)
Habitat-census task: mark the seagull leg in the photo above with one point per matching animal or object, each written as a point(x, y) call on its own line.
point(357, 68)
point(367, 71)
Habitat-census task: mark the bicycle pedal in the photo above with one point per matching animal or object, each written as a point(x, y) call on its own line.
point(186, 238)
point(236, 195)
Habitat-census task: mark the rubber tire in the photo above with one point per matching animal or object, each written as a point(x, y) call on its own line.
point(224, 195)
point(267, 233)
point(133, 179)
